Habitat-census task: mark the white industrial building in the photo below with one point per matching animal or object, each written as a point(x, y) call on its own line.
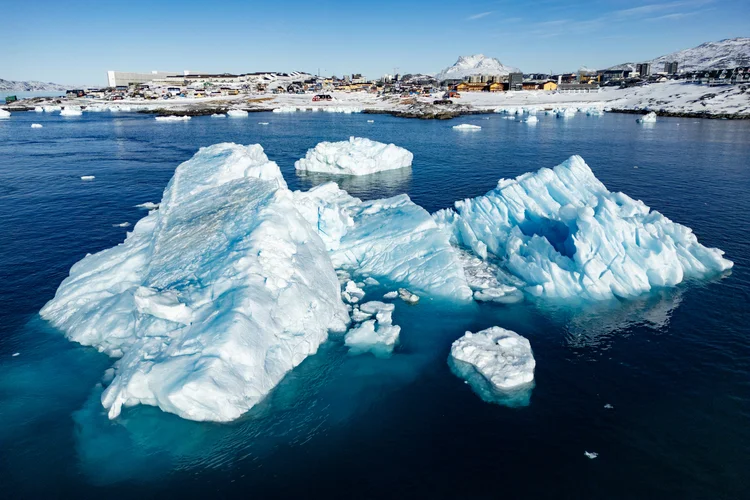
point(125, 78)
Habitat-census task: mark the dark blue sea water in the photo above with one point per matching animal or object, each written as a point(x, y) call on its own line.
point(674, 364)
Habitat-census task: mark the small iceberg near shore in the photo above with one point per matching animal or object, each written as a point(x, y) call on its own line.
point(466, 126)
point(357, 156)
point(647, 118)
point(4, 114)
point(237, 113)
point(182, 118)
point(87, 177)
point(71, 111)
point(498, 364)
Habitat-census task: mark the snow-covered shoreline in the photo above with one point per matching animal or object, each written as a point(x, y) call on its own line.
point(673, 98)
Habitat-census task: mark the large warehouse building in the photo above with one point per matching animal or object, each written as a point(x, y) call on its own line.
point(125, 78)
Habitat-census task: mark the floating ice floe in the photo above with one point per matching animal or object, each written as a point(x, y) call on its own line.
point(407, 296)
point(219, 115)
point(466, 126)
point(87, 177)
point(15, 354)
point(36, 125)
point(563, 234)
point(608, 406)
point(211, 299)
point(357, 156)
point(122, 224)
point(392, 240)
point(149, 205)
point(71, 111)
point(390, 295)
point(532, 120)
point(566, 112)
point(591, 454)
point(648, 118)
point(38, 109)
point(4, 114)
point(497, 363)
point(51, 108)
point(285, 109)
point(237, 113)
point(352, 293)
point(377, 335)
point(262, 123)
point(182, 118)
point(370, 121)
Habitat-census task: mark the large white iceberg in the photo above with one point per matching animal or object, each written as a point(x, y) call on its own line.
point(391, 239)
point(563, 234)
point(237, 113)
point(211, 299)
point(357, 156)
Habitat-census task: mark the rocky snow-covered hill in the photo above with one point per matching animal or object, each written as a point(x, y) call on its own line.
point(30, 86)
point(475, 65)
point(728, 53)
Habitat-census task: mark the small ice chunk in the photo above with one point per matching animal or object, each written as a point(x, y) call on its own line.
point(591, 454)
point(648, 118)
point(149, 205)
point(370, 121)
point(38, 109)
point(4, 113)
point(371, 281)
point(532, 120)
point(357, 156)
point(407, 296)
point(354, 290)
point(36, 125)
point(359, 316)
point(372, 336)
point(382, 311)
point(390, 295)
point(218, 115)
point(87, 177)
point(122, 224)
point(466, 126)
point(262, 123)
point(15, 354)
point(608, 406)
point(183, 118)
point(237, 113)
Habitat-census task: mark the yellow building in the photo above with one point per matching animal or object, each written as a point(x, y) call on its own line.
point(549, 86)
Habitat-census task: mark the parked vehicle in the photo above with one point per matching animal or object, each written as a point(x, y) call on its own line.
point(442, 101)
point(10, 99)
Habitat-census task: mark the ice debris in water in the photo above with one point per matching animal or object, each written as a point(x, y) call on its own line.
point(211, 299)
point(352, 293)
point(647, 118)
point(488, 282)
point(390, 295)
point(71, 111)
point(591, 454)
point(377, 335)
point(87, 177)
point(237, 113)
point(608, 406)
point(15, 354)
point(182, 118)
point(149, 205)
point(357, 156)
point(36, 125)
point(51, 108)
point(466, 126)
point(563, 234)
point(392, 240)
point(407, 296)
point(38, 109)
point(4, 113)
point(262, 123)
point(218, 115)
point(122, 224)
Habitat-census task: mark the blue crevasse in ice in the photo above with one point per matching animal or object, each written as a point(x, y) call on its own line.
point(565, 235)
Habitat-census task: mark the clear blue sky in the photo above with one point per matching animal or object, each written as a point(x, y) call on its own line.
point(77, 41)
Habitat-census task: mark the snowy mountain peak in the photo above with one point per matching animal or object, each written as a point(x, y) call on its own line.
point(31, 86)
point(722, 54)
point(477, 64)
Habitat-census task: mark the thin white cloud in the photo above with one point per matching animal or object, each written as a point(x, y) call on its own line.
point(478, 16)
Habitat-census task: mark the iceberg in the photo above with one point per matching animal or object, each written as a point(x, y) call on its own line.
point(532, 120)
point(149, 205)
point(36, 125)
point(51, 108)
point(182, 118)
point(501, 356)
point(566, 112)
point(563, 234)
point(357, 156)
point(211, 299)
point(237, 113)
point(392, 240)
point(87, 177)
point(38, 109)
point(71, 111)
point(466, 126)
point(648, 118)
point(4, 114)
point(218, 115)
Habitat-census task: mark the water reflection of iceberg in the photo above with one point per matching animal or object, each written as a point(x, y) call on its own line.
point(592, 324)
point(514, 398)
point(366, 187)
